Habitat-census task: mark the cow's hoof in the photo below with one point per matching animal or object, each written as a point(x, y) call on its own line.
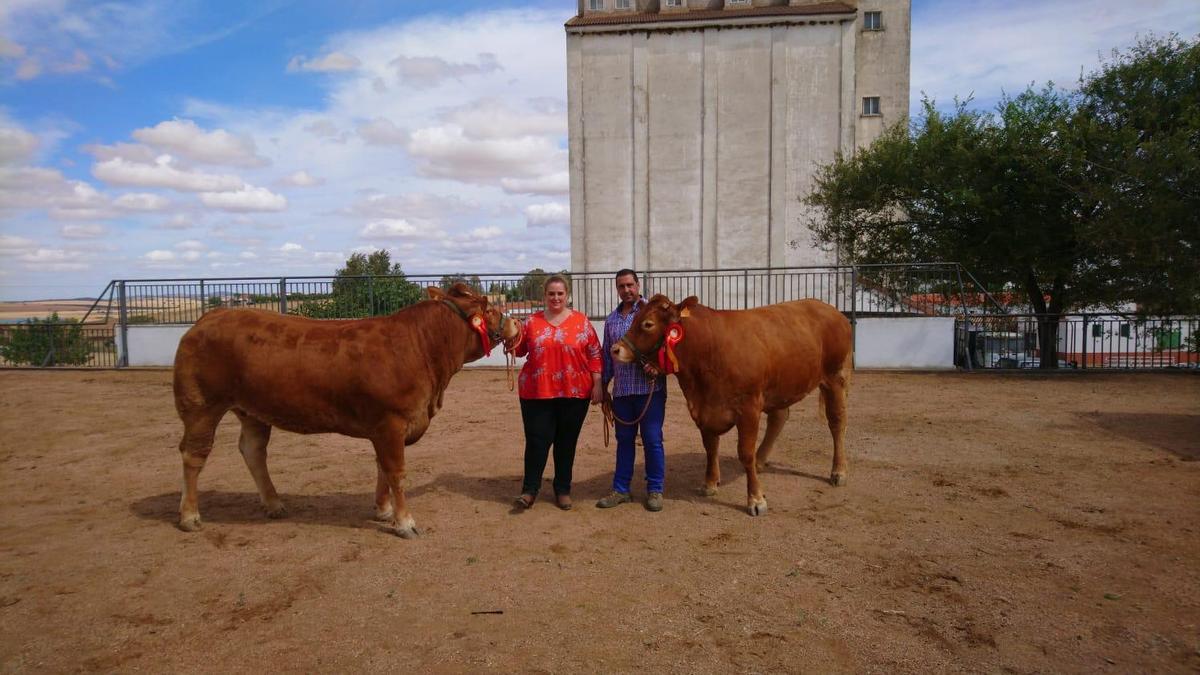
point(837, 479)
point(406, 528)
point(190, 524)
point(276, 510)
point(708, 490)
point(385, 516)
point(758, 508)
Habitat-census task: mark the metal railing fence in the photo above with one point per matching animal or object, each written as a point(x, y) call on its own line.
point(1115, 341)
point(987, 334)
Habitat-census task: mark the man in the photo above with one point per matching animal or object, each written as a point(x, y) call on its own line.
point(632, 384)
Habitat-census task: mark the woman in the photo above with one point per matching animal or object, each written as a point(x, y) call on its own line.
point(560, 376)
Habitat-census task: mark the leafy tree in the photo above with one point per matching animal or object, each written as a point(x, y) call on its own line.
point(530, 285)
point(1137, 139)
point(1015, 196)
point(52, 341)
point(450, 279)
point(369, 285)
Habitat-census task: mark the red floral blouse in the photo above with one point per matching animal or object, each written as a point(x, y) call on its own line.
point(560, 359)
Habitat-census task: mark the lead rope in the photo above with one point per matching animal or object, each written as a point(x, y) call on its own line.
point(611, 419)
point(510, 357)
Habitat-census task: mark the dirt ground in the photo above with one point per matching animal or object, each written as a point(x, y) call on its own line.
point(991, 523)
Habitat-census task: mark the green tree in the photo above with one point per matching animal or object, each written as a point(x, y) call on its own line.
point(1136, 135)
point(450, 279)
point(369, 285)
point(530, 285)
point(52, 341)
point(1014, 196)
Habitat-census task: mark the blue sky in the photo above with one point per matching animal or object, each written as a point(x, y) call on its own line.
point(145, 138)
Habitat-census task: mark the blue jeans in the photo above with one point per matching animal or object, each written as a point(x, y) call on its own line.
point(628, 408)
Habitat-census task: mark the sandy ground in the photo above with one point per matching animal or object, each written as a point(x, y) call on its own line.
point(991, 523)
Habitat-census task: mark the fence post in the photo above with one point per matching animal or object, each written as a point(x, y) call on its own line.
point(854, 310)
point(1083, 359)
point(966, 331)
point(123, 318)
point(283, 295)
point(371, 295)
point(745, 289)
point(203, 299)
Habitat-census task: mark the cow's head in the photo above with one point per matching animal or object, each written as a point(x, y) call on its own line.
point(647, 334)
point(497, 325)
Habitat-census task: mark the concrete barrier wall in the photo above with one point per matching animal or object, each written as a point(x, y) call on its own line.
point(881, 343)
point(905, 343)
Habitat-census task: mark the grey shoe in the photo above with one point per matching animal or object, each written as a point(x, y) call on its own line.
point(614, 499)
point(654, 501)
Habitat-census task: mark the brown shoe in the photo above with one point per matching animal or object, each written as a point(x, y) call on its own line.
point(654, 501)
point(563, 501)
point(614, 499)
point(525, 501)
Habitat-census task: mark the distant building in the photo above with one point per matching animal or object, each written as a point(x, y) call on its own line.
point(696, 126)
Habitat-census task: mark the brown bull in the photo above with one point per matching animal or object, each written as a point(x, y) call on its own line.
point(735, 365)
point(380, 378)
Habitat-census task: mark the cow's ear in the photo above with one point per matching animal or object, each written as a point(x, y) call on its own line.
point(435, 293)
point(659, 300)
point(685, 308)
point(460, 289)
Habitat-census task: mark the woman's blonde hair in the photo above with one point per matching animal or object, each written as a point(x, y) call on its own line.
point(556, 278)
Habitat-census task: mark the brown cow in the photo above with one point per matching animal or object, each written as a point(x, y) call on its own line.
point(735, 365)
point(380, 378)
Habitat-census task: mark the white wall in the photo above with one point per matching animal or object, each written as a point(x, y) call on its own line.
point(905, 343)
point(881, 343)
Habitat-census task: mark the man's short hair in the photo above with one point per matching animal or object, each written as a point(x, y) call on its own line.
point(626, 273)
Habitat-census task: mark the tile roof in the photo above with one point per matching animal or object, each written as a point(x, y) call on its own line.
point(623, 18)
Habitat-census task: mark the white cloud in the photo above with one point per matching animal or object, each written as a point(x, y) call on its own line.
point(185, 139)
point(248, 255)
point(423, 72)
point(985, 48)
point(557, 183)
point(448, 153)
point(159, 255)
point(291, 247)
point(83, 231)
point(54, 260)
point(389, 228)
point(162, 174)
point(302, 179)
point(489, 232)
point(16, 145)
point(413, 206)
point(248, 198)
point(191, 245)
point(10, 49)
point(380, 131)
point(547, 215)
point(141, 201)
point(496, 118)
point(12, 245)
point(179, 221)
point(322, 128)
point(330, 63)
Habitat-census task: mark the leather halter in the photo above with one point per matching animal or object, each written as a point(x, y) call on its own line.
point(478, 323)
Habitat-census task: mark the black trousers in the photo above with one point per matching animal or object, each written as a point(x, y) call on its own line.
point(551, 421)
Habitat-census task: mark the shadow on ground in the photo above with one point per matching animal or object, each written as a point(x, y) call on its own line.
point(1177, 434)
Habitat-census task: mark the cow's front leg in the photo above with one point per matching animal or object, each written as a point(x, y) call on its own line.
point(385, 508)
point(389, 453)
point(712, 468)
point(747, 428)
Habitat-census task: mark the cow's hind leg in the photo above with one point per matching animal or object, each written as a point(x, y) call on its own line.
point(747, 428)
point(833, 399)
point(199, 427)
point(389, 452)
point(253, 445)
point(775, 421)
point(712, 467)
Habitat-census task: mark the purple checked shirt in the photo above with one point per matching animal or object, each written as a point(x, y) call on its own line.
point(630, 379)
